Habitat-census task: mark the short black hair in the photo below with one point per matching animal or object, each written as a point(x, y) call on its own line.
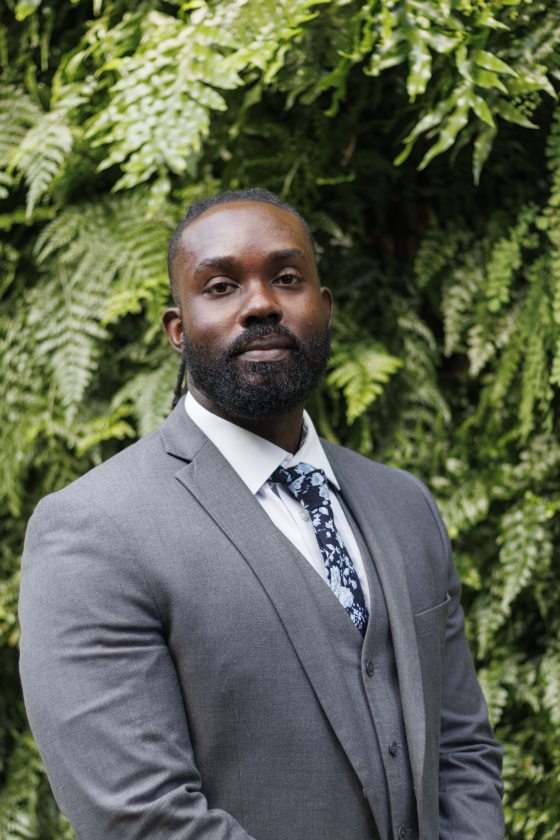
point(197, 208)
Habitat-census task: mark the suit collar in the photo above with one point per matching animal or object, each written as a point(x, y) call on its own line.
point(181, 437)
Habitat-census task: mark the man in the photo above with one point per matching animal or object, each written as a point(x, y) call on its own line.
point(233, 630)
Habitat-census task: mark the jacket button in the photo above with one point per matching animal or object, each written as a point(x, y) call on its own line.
point(393, 750)
point(405, 833)
point(370, 668)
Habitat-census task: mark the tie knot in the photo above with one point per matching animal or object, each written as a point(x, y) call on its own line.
point(306, 483)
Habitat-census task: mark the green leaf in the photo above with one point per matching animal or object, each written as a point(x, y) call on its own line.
point(448, 132)
point(488, 80)
point(420, 70)
point(482, 148)
point(489, 61)
point(481, 109)
point(361, 377)
point(512, 114)
point(24, 8)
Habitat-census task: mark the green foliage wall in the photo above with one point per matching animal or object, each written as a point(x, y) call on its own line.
point(422, 141)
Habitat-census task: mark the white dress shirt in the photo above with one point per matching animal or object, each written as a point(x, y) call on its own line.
point(254, 459)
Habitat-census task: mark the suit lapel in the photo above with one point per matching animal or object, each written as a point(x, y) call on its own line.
point(367, 508)
point(277, 564)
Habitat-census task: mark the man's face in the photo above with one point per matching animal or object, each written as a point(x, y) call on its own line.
point(253, 321)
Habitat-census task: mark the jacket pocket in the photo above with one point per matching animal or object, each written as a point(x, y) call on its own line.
point(432, 620)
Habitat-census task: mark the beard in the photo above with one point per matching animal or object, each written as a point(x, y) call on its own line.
point(258, 390)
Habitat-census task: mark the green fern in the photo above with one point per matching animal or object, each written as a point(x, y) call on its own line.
point(550, 671)
point(460, 295)
point(166, 92)
point(360, 373)
point(33, 144)
point(66, 323)
point(19, 796)
point(150, 394)
point(525, 548)
point(22, 402)
point(496, 682)
point(89, 251)
point(536, 391)
point(42, 155)
point(18, 114)
point(506, 258)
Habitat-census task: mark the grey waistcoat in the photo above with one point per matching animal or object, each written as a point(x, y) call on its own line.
point(370, 671)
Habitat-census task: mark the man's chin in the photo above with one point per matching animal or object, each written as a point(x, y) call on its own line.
point(262, 368)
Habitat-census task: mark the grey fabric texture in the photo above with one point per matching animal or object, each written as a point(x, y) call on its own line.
point(181, 673)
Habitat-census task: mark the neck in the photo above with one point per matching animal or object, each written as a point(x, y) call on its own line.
point(284, 431)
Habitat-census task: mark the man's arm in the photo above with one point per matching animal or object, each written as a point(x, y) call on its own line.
point(100, 686)
point(470, 759)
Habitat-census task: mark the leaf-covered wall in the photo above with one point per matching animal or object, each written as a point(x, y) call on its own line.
point(421, 139)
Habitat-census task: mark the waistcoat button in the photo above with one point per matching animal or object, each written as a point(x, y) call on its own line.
point(370, 668)
point(394, 748)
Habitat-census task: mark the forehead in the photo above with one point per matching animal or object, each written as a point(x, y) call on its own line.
point(243, 228)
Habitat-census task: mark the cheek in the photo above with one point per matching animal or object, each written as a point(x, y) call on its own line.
point(312, 315)
point(205, 327)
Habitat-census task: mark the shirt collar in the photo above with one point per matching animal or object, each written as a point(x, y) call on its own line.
point(253, 458)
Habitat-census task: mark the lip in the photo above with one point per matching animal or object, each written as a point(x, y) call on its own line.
point(266, 348)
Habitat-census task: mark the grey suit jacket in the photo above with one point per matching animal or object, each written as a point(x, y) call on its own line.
point(176, 677)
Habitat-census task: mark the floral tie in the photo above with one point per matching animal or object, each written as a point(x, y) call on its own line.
point(309, 486)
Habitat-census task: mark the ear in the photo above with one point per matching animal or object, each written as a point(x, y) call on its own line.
point(172, 323)
point(328, 303)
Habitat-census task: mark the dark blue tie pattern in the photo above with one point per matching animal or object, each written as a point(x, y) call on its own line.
point(309, 486)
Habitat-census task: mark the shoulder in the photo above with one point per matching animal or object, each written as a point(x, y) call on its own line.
point(101, 493)
point(137, 463)
point(137, 477)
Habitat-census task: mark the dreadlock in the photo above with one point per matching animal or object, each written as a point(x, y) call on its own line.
point(179, 385)
point(196, 209)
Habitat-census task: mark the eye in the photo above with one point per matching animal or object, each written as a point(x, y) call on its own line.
point(220, 287)
point(289, 279)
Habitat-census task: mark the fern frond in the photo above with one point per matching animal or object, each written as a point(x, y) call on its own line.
point(525, 548)
point(110, 426)
point(162, 103)
point(18, 113)
point(468, 506)
point(19, 794)
point(506, 257)
point(440, 247)
point(535, 388)
point(150, 394)
point(9, 628)
point(22, 398)
point(551, 224)
point(458, 301)
point(32, 143)
point(360, 373)
point(68, 331)
point(550, 673)
point(495, 682)
point(42, 155)
point(105, 260)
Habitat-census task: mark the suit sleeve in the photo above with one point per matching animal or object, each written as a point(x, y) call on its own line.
point(470, 759)
point(100, 687)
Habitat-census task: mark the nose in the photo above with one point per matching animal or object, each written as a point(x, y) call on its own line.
point(260, 304)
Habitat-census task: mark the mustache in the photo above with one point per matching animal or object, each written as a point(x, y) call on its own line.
point(259, 331)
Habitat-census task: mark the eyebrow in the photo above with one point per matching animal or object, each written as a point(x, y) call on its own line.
point(230, 263)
